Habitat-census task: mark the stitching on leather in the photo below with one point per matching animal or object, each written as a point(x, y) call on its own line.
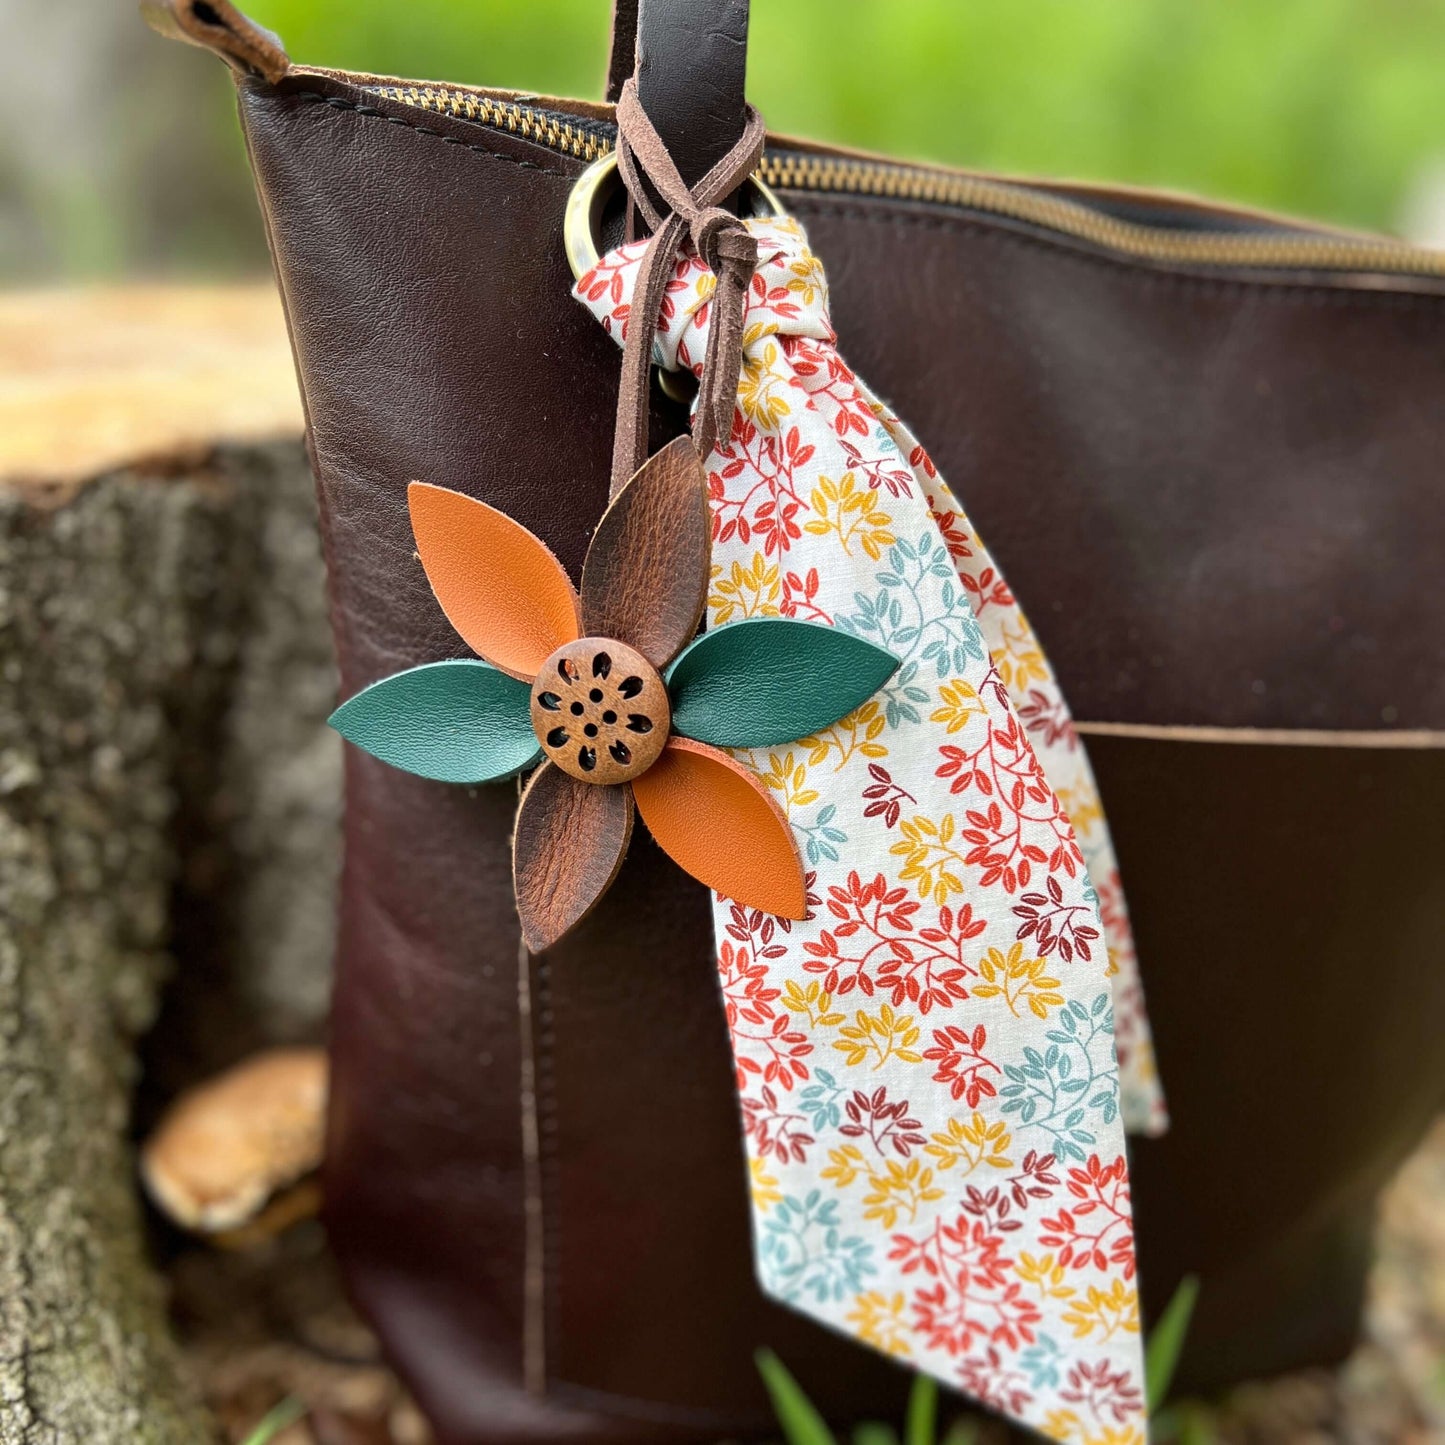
point(548, 1126)
point(371, 112)
point(534, 1210)
point(1311, 293)
point(545, 1036)
point(1299, 292)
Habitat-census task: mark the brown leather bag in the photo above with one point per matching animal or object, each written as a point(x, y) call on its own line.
point(1205, 445)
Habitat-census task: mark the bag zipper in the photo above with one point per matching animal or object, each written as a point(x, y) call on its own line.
point(1210, 238)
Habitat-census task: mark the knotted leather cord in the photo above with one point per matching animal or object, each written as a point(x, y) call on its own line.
point(717, 236)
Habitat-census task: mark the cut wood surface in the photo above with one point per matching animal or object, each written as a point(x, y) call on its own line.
point(97, 379)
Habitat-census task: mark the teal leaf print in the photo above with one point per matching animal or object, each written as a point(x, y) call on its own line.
point(822, 839)
point(820, 1101)
point(1041, 1361)
point(803, 1251)
point(1071, 1088)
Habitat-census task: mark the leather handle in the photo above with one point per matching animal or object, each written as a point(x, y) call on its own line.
point(690, 58)
point(622, 58)
point(218, 26)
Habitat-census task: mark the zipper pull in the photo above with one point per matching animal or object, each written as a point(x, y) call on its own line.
point(218, 26)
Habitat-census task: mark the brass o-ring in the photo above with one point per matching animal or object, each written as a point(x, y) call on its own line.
point(589, 197)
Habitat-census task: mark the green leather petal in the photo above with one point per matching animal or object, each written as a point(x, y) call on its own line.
point(458, 722)
point(772, 680)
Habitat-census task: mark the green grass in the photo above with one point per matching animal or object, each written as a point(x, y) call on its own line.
point(277, 1419)
point(801, 1424)
point(1326, 107)
point(1185, 1424)
point(1166, 1342)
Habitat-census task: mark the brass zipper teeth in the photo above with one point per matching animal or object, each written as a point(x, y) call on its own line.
point(1070, 218)
point(838, 174)
point(506, 115)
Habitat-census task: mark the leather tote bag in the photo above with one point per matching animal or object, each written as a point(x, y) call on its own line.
point(1206, 446)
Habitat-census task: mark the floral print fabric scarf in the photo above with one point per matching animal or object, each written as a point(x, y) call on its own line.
point(936, 1068)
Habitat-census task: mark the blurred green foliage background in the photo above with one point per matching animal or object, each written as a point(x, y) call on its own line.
point(1331, 108)
point(1321, 106)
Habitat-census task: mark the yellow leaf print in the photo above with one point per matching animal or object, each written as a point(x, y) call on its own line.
point(925, 848)
point(972, 1144)
point(702, 290)
point(764, 1186)
point(852, 512)
point(1067, 1426)
point(1017, 980)
point(880, 1320)
point(844, 1165)
point(881, 1036)
point(1107, 1311)
point(1063, 1425)
point(1020, 660)
point(1045, 1274)
point(897, 1192)
point(755, 332)
point(762, 388)
point(783, 775)
point(960, 703)
point(1082, 807)
point(813, 1001)
point(857, 734)
point(805, 278)
point(751, 591)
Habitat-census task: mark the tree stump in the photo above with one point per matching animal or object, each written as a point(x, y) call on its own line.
point(167, 787)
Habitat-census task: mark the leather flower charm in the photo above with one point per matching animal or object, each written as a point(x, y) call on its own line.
point(613, 694)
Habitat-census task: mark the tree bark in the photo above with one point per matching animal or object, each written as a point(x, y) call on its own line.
point(168, 804)
point(164, 782)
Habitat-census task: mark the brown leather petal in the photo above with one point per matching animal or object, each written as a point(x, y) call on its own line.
point(570, 841)
point(645, 578)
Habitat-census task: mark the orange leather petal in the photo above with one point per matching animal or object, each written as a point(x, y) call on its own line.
point(500, 587)
point(715, 820)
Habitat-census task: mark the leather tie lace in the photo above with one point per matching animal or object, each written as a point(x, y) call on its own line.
point(719, 238)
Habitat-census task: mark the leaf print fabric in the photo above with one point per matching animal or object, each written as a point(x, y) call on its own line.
point(937, 1066)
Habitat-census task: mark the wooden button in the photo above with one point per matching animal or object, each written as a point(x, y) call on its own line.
point(600, 711)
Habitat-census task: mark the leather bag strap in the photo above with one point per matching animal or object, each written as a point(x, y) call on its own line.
point(690, 58)
point(218, 26)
